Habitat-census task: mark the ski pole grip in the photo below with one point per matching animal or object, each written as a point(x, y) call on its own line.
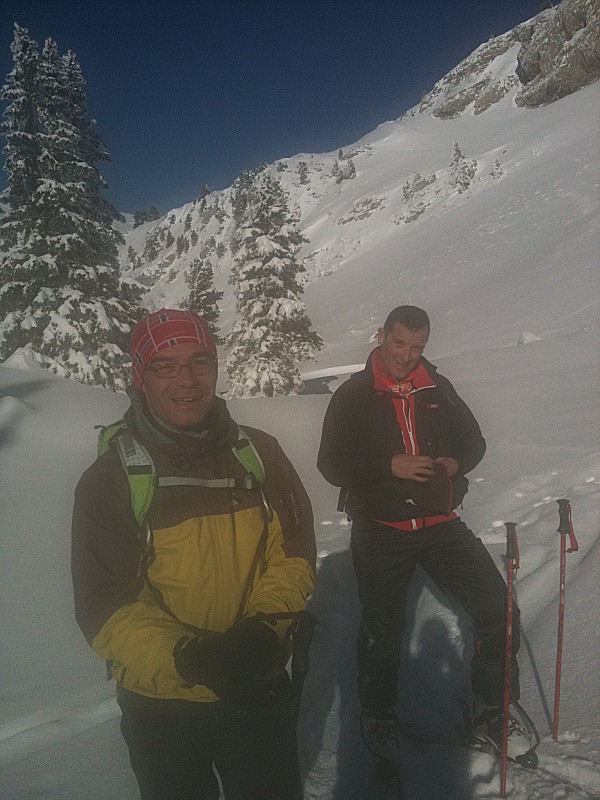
point(511, 540)
point(564, 508)
point(565, 525)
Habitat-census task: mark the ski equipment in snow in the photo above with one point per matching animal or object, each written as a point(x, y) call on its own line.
point(565, 528)
point(482, 733)
point(512, 565)
point(512, 732)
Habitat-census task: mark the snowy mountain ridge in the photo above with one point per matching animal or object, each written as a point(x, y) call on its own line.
point(397, 174)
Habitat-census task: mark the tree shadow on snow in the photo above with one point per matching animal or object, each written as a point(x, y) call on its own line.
point(433, 683)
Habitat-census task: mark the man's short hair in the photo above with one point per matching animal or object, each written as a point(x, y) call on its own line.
point(410, 317)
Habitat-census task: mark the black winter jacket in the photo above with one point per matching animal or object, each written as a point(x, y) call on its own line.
point(361, 434)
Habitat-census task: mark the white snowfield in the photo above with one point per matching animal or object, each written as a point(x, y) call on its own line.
point(59, 732)
point(508, 271)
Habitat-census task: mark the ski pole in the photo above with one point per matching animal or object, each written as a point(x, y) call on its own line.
point(565, 527)
point(512, 565)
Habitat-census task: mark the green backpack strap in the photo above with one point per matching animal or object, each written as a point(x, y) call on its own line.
point(137, 463)
point(141, 474)
point(108, 433)
point(248, 456)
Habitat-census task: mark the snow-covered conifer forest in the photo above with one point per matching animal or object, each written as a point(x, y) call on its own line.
point(63, 301)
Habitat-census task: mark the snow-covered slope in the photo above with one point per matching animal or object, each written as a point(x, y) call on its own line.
point(403, 229)
point(59, 737)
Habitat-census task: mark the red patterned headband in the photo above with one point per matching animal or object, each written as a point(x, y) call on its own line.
point(163, 329)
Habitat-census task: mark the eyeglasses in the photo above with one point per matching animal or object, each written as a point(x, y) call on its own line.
point(171, 369)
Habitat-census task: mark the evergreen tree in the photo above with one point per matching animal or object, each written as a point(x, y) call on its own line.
point(206, 190)
point(241, 190)
point(61, 297)
point(145, 215)
point(497, 171)
point(203, 297)
point(139, 217)
point(462, 171)
point(133, 258)
point(303, 172)
point(274, 332)
point(344, 173)
point(21, 131)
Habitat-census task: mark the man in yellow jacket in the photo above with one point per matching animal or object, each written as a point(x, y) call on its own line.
point(193, 605)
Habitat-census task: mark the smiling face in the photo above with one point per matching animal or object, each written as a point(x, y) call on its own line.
point(181, 400)
point(401, 349)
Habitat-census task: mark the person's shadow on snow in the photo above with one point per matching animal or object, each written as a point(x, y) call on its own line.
point(433, 686)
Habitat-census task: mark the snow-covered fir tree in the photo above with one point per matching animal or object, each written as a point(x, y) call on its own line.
point(462, 171)
point(145, 215)
point(497, 171)
point(61, 296)
point(242, 188)
point(203, 297)
point(20, 129)
point(274, 332)
point(303, 172)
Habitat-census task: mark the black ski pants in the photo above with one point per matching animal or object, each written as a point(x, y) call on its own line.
point(385, 560)
point(175, 747)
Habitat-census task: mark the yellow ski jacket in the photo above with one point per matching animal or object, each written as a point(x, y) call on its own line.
point(215, 556)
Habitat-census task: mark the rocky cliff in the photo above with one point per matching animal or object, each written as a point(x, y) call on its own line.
point(557, 52)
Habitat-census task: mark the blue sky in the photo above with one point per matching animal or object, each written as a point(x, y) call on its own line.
point(191, 92)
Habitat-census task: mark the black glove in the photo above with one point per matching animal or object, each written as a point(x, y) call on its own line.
point(226, 661)
point(433, 496)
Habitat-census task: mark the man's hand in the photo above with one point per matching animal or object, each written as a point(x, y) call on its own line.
point(449, 464)
point(225, 661)
point(413, 468)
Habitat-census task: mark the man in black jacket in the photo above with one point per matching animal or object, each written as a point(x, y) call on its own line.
point(398, 440)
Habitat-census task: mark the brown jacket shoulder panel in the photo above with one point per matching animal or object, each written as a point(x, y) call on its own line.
point(288, 497)
point(105, 545)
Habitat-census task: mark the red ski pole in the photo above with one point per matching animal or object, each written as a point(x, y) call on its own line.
point(565, 528)
point(512, 565)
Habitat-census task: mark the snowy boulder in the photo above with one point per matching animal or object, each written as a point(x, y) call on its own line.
point(527, 338)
